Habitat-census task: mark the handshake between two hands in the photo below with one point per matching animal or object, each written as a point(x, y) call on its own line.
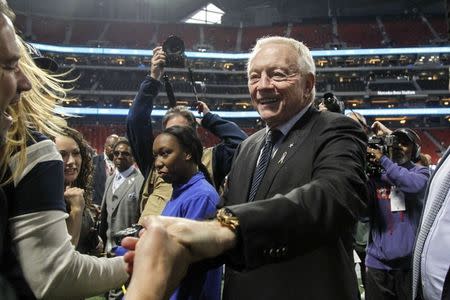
point(158, 260)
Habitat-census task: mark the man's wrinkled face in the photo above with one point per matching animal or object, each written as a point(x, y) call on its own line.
point(277, 86)
point(402, 152)
point(12, 79)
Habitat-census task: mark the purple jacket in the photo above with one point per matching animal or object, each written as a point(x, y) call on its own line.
point(392, 234)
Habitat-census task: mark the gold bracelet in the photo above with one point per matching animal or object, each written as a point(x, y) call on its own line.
point(226, 218)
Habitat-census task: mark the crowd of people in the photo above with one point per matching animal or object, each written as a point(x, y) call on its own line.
point(276, 215)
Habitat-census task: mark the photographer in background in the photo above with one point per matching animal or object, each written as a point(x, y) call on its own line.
point(330, 102)
point(395, 205)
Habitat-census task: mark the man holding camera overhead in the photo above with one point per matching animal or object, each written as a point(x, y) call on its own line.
point(330, 102)
point(155, 192)
point(395, 206)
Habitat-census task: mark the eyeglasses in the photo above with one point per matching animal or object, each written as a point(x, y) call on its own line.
point(124, 154)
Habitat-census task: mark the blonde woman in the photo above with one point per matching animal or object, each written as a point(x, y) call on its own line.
point(33, 179)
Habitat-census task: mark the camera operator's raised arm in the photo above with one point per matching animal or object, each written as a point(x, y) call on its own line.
point(157, 64)
point(379, 129)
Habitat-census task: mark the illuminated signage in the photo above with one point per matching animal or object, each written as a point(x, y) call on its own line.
point(395, 93)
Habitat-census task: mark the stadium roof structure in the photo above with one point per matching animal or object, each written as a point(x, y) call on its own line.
point(244, 12)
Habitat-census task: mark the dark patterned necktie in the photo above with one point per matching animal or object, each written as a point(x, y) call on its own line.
point(427, 223)
point(271, 138)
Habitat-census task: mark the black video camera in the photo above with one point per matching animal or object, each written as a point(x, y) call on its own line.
point(331, 102)
point(132, 231)
point(386, 145)
point(173, 46)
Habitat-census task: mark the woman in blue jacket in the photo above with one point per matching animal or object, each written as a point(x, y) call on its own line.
point(177, 152)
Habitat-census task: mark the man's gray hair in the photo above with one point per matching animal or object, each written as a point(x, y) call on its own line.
point(305, 60)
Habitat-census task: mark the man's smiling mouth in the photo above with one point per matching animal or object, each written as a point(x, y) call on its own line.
point(268, 100)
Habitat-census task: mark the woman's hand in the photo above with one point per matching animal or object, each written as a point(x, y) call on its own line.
point(74, 198)
point(75, 201)
point(158, 263)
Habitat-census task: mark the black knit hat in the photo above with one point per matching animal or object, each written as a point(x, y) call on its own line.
point(41, 61)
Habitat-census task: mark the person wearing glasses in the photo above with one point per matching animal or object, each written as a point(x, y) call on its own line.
point(120, 201)
point(294, 192)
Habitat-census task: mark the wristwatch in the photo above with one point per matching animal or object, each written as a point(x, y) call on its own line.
point(226, 218)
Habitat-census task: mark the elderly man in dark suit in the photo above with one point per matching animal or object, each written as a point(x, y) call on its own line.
point(294, 193)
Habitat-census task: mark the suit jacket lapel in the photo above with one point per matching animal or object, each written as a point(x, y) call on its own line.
point(108, 183)
point(287, 149)
point(121, 191)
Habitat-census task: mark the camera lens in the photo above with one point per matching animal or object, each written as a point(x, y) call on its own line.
point(173, 45)
point(174, 48)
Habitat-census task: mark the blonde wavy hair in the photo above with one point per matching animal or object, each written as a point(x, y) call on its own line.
point(35, 112)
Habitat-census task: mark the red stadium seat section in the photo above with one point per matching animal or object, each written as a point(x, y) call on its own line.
point(355, 32)
point(130, 34)
point(251, 34)
point(49, 30)
point(407, 31)
point(428, 146)
point(96, 134)
point(190, 33)
point(220, 38)
point(86, 32)
point(361, 32)
point(441, 135)
point(314, 36)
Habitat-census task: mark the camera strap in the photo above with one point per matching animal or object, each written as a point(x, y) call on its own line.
point(169, 91)
point(194, 89)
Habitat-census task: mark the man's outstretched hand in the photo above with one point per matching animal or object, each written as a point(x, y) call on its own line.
point(157, 263)
point(159, 259)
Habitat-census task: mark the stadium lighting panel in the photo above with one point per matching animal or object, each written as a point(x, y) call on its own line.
point(253, 114)
point(244, 56)
point(241, 56)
